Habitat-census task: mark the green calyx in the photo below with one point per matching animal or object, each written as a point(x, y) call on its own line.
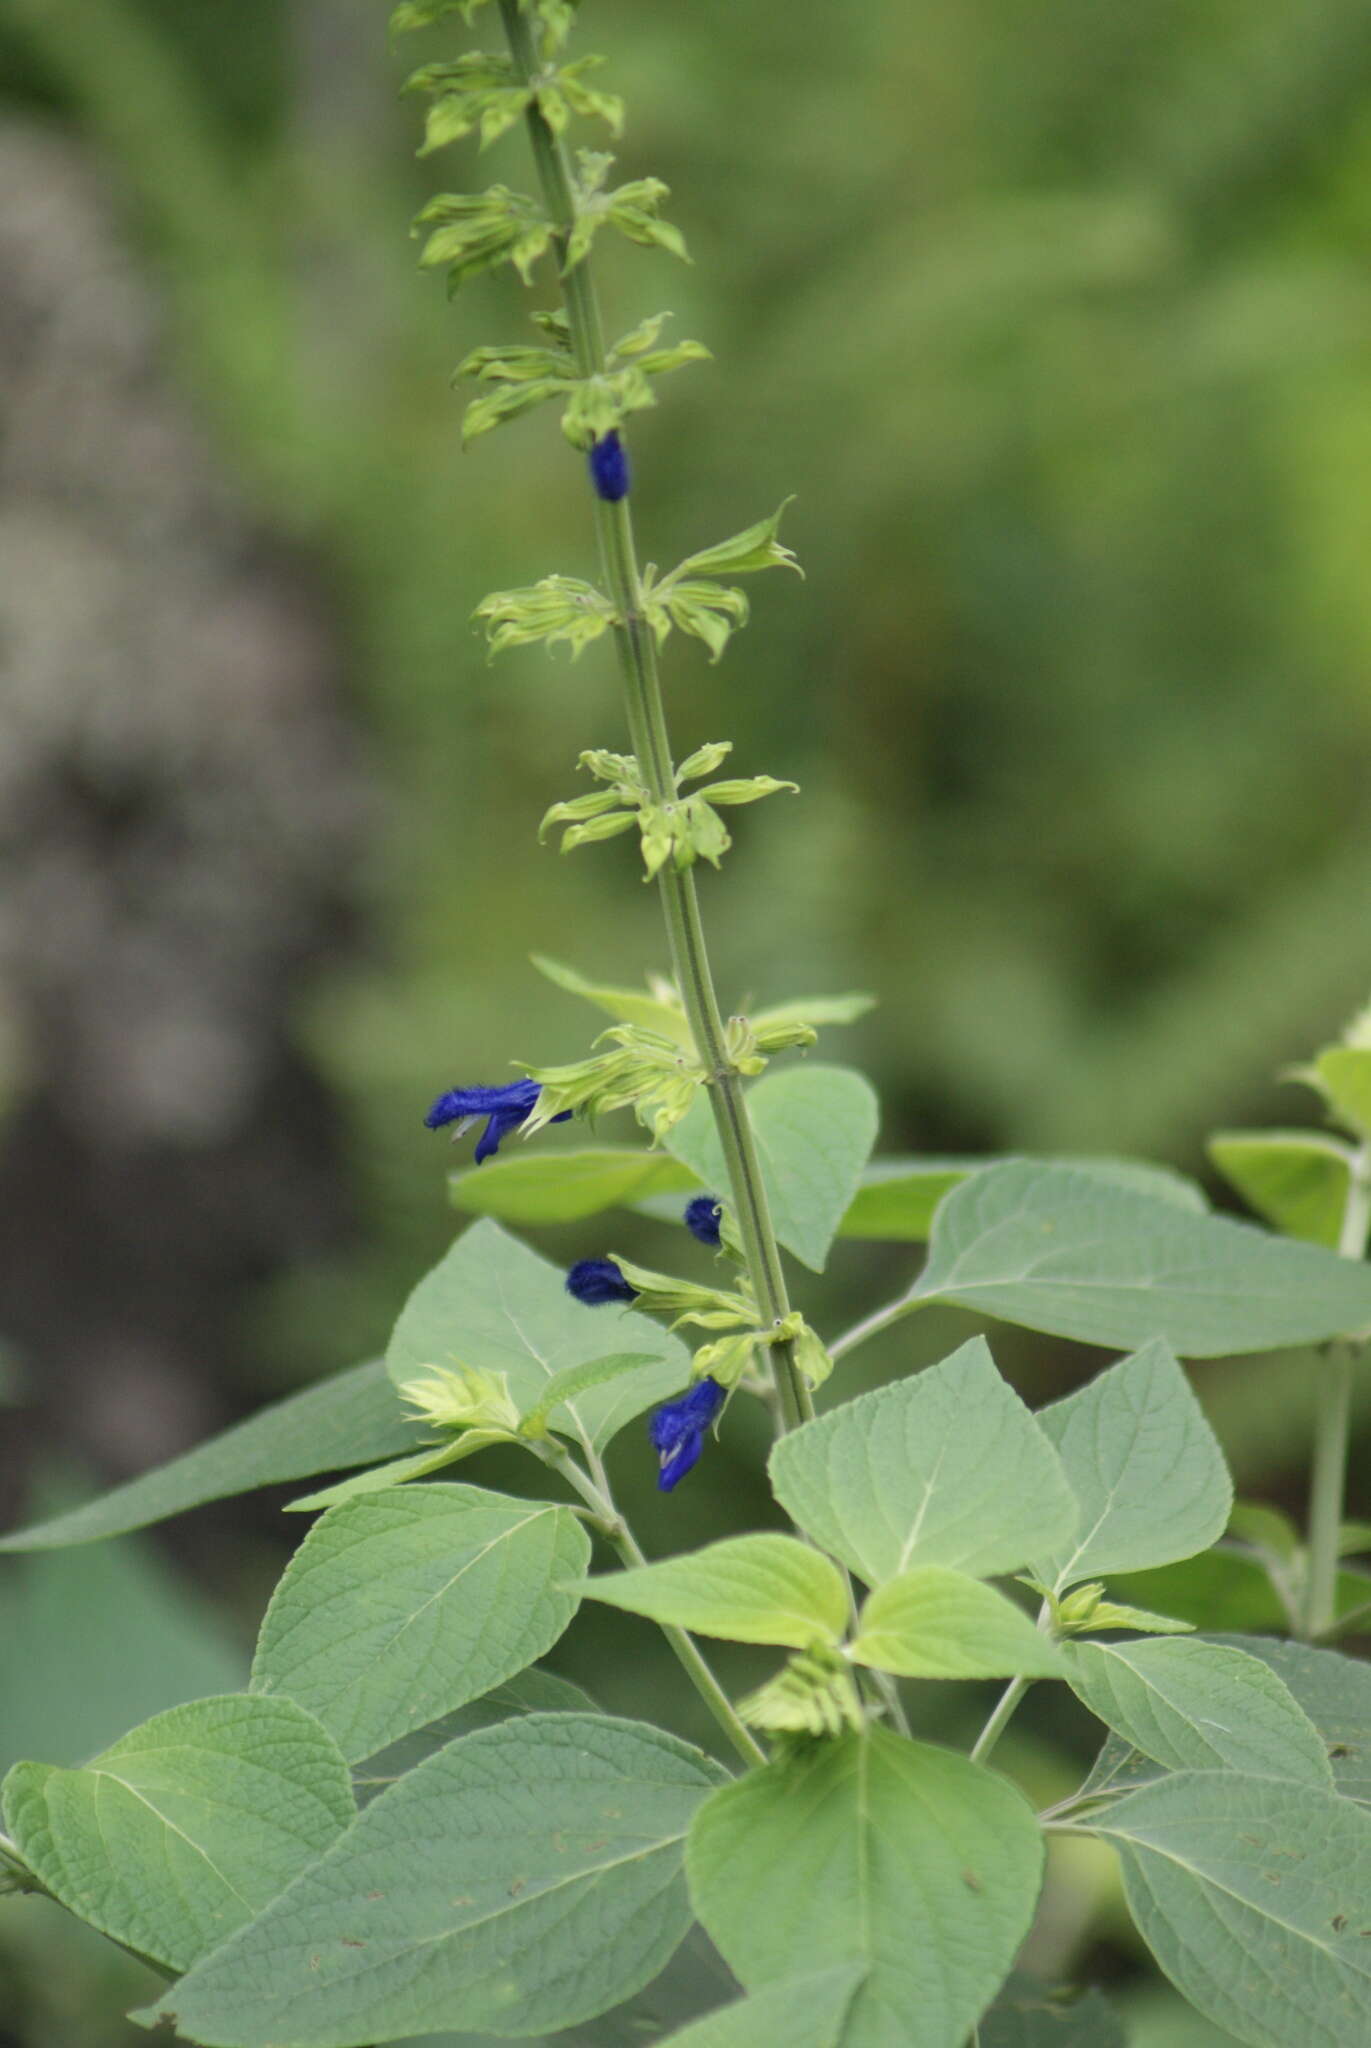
point(523, 377)
point(475, 231)
point(631, 208)
point(682, 831)
point(814, 1697)
point(690, 598)
point(554, 17)
point(484, 95)
point(556, 608)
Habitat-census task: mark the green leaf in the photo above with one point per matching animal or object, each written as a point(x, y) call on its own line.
point(1198, 1706)
point(900, 1476)
point(1029, 2015)
point(756, 547)
point(494, 1304)
point(568, 1385)
point(352, 1419)
point(186, 1828)
point(1335, 1692)
point(531, 1692)
point(563, 1187)
point(1296, 1180)
point(898, 1197)
point(402, 1605)
point(524, 1878)
point(1063, 1251)
point(814, 1126)
point(804, 2012)
point(1252, 1895)
point(397, 1472)
point(626, 1005)
point(872, 1851)
point(1144, 1465)
point(748, 1589)
point(816, 1010)
point(1344, 1073)
point(935, 1623)
point(1228, 1588)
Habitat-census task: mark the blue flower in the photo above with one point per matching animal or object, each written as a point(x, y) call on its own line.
point(702, 1218)
point(595, 1281)
point(678, 1429)
point(608, 459)
point(504, 1108)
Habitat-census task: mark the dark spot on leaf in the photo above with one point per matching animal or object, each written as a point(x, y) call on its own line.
point(1339, 1922)
point(314, 1962)
point(971, 1881)
point(348, 1942)
point(1339, 1749)
point(464, 1901)
point(375, 1895)
point(520, 1884)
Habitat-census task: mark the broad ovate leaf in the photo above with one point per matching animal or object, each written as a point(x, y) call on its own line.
point(401, 1606)
point(1251, 1892)
point(524, 1878)
point(1148, 1475)
point(186, 1828)
point(935, 1623)
point(946, 1468)
point(1198, 1706)
point(1069, 1253)
point(868, 1851)
point(747, 1589)
point(353, 1419)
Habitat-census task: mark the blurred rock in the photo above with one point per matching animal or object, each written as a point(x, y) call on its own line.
point(182, 802)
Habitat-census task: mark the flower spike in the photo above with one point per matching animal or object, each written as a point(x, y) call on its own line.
point(505, 1109)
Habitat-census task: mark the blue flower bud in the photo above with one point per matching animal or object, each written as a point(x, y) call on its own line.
point(608, 459)
point(596, 1281)
point(504, 1108)
point(702, 1218)
point(678, 1429)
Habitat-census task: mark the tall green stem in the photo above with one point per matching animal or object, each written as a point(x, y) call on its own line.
point(1332, 1425)
point(593, 1488)
point(637, 654)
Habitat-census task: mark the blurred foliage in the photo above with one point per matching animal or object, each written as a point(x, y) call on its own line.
point(1056, 322)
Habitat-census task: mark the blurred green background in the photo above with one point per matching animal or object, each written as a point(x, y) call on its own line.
point(1055, 321)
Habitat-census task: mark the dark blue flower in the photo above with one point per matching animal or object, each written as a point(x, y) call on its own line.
point(702, 1218)
point(504, 1108)
point(595, 1281)
point(608, 459)
point(678, 1429)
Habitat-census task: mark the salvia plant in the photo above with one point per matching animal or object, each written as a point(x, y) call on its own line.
point(404, 1824)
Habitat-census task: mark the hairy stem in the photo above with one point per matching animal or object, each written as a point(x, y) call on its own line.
point(872, 1325)
point(637, 655)
point(593, 1487)
point(1000, 1719)
point(1332, 1425)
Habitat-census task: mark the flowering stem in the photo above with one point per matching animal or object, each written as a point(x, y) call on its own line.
point(593, 1487)
point(1332, 1426)
point(637, 655)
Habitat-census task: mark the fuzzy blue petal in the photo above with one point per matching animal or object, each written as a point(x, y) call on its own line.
point(678, 1429)
point(595, 1281)
point(608, 461)
point(702, 1218)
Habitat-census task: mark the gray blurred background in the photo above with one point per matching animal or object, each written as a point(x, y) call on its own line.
point(1056, 322)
